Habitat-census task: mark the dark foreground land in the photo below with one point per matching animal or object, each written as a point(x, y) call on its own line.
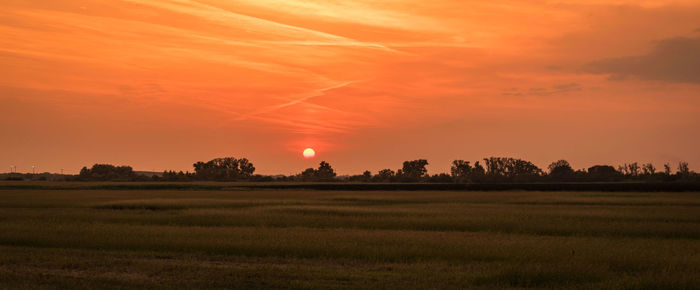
point(301, 238)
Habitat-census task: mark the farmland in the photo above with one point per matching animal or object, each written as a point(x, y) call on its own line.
point(243, 238)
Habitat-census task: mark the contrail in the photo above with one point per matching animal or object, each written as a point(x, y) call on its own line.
point(311, 95)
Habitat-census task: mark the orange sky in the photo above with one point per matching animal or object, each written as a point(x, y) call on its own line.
point(161, 84)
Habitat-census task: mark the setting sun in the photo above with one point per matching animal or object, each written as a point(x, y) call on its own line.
point(309, 153)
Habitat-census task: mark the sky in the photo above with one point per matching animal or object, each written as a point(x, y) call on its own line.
point(368, 84)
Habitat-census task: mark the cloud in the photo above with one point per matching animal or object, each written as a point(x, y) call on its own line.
point(542, 91)
point(260, 27)
point(295, 101)
point(671, 60)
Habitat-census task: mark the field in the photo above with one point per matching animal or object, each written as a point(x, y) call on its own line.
point(348, 239)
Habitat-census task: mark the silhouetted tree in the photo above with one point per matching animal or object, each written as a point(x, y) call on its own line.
point(384, 175)
point(308, 175)
point(245, 168)
point(107, 172)
point(364, 177)
point(176, 176)
point(414, 170)
point(478, 172)
point(325, 172)
point(505, 168)
point(623, 169)
point(495, 166)
point(461, 170)
point(603, 173)
point(560, 169)
point(633, 169)
point(683, 169)
point(224, 169)
point(667, 169)
point(648, 169)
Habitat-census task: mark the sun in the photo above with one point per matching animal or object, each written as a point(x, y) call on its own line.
point(309, 153)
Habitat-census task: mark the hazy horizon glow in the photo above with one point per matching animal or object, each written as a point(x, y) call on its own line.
point(161, 84)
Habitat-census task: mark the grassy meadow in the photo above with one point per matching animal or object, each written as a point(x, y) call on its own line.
point(348, 239)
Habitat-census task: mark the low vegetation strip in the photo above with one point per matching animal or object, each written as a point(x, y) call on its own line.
point(232, 186)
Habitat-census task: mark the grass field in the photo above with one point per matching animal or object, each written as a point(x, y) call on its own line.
point(348, 239)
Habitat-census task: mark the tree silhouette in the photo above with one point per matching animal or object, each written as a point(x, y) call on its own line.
point(224, 169)
point(478, 172)
point(107, 172)
point(414, 170)
point(633, 169)
point(366, 176)
point(648, 169)
point(384, 175)
point(175, 176)
point(560, 169)
point(667, 169)
point(461, 170)
point(308, 175)
point(683, 169)
point(496, 170)
point(603, 173)
point(325, 172)
point(505, 168)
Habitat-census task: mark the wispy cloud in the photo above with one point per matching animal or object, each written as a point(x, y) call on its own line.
point(295, 100)
point(674, 60)
point(255, 25)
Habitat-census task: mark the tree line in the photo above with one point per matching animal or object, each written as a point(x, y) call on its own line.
point(513, 170)
point(487, 170)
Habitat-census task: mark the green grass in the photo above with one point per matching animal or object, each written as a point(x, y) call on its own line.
point(348, 239)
